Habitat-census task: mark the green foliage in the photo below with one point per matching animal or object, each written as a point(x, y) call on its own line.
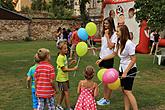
point(83, 12)
point(39, 5)
point(153, 11)
point(62, 9)
point(7, 4)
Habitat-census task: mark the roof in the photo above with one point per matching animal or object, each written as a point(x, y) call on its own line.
point(6, 14)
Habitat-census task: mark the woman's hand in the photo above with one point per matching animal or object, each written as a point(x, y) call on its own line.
point(98, 61)
point(107, 33)
point(124, 75)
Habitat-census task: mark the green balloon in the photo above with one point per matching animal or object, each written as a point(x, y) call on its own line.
point(100, 73)
point(91, 28)
point(81, 49)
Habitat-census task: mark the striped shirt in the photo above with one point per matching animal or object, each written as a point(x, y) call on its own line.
point(44, 77)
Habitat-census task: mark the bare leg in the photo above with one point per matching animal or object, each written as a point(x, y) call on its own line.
point(67, 101)
point(152, 48)
point(61, 97)
point(126, 102)
point(156, 48)
point(131, 99)
point(107, 92)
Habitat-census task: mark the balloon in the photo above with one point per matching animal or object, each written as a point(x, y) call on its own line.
point(100, 73)
point(115, 85)
point(81, 49)
point(82, 34)
point(110, 76)
point(91, 28)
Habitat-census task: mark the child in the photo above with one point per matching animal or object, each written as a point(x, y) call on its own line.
point(62, 75)
point(125, 49)
point(30, 78)
point(44, 76)
point(88, 90)
point(108, 41)
point(74, 41)
point(155, 43)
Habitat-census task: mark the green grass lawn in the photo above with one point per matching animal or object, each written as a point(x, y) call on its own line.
point(17, 57)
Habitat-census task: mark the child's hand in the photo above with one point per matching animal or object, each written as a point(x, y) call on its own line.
point(75, 68)
point(73, 62)
point(27, 87)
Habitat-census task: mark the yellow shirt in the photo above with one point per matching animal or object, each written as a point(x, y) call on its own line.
point(61, 62)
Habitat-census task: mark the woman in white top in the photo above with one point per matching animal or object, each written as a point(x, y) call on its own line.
point(125, 49)
point(108, 41)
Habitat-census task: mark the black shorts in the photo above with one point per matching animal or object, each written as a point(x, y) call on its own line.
point(63, 86)
point(127, 82)
point(107, 63)
point(151, 41)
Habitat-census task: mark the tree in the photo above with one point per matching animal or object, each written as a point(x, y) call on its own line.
point(62, 8)
point(39, 5)
point(153, 11)
point(83, 12)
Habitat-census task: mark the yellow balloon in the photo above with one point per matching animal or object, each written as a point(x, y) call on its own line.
point(91, 28)
point(81, 49)
point(115, 85)
point(100, 73)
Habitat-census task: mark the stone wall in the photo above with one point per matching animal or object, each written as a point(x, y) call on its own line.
point(42, 29)
point(13, 30)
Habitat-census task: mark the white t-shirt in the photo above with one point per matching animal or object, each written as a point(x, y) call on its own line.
point(125, 58)
point(152, 36)
point(105, 51)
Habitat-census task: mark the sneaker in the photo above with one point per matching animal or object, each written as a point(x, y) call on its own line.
point(59, 107)
point(103, 102)
point(100, 100)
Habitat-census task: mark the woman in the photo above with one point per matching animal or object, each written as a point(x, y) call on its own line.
point(125, 49)
point(108, 41)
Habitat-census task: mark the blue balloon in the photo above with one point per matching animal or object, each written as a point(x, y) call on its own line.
point(82, 34)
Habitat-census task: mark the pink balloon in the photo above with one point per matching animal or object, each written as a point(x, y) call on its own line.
point(110, 76)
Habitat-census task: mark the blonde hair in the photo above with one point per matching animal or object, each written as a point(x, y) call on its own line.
point(42, 53)
point(89, 72)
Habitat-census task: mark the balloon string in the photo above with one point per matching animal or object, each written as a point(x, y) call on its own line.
point(78, 62)
point(129, 76)
point(92, 47)
point(99, 84)
point(77, 66)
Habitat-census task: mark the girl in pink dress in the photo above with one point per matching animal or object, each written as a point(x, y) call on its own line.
point(87, 90)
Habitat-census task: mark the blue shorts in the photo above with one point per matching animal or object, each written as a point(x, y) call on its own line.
point(49, 102)
point(34, 100)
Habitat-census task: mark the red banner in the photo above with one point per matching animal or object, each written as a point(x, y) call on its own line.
point(116, 1)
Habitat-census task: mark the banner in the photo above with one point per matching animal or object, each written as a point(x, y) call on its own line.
point(116, 1)
point(123, 13)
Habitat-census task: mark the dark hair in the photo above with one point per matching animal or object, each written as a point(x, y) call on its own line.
point(123, 38)
point(111, 26)
point(61, 43)
point(131, 9)
point(89, 72)
point(58, 30)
